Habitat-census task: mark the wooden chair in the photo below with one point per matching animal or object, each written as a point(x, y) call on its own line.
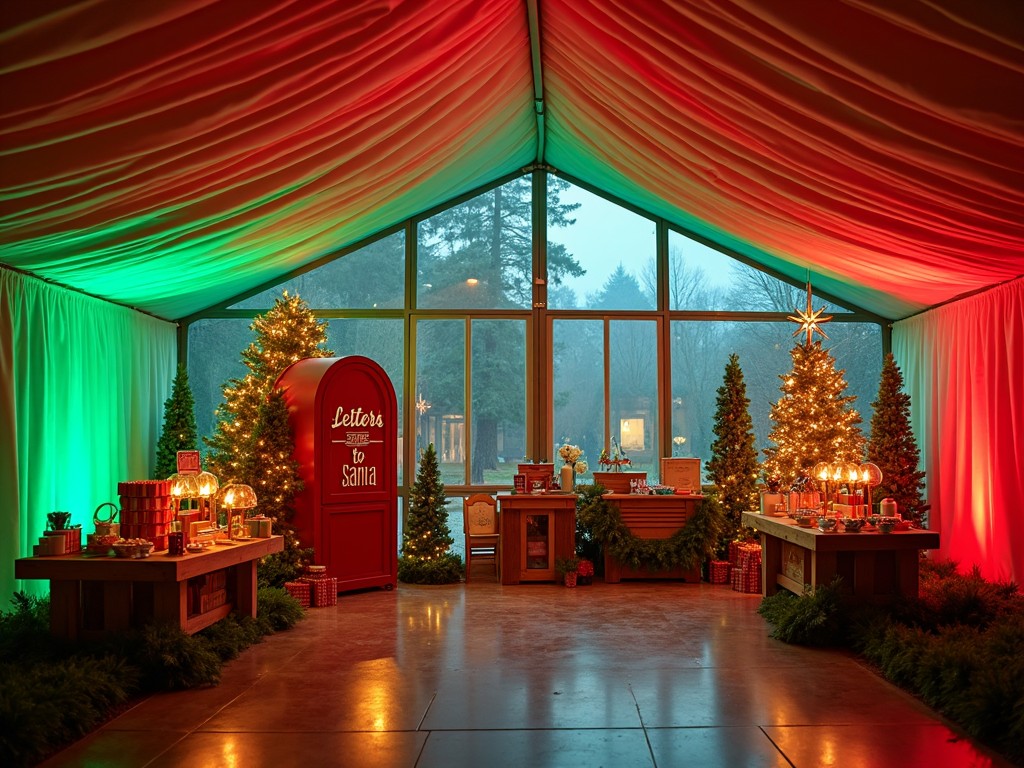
point(483, 535)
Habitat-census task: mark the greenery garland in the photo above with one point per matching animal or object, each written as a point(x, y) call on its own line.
point(687, 548)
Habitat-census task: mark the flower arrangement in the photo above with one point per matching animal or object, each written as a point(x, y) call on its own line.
point(573, 456)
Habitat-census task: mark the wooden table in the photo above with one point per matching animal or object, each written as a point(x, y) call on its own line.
point(93, 595)
point(874, 566)
point(651, 517)
point(536, 530)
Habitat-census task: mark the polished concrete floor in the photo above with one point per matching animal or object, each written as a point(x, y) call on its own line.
point(635, 674)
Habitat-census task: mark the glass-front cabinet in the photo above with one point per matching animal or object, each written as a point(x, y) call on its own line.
point(538, 546)
point(536, 530)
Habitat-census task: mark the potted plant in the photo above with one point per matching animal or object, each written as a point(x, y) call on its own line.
point(585, 572)
point(567, 568)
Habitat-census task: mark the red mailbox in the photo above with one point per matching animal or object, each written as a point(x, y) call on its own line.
point(345, 418)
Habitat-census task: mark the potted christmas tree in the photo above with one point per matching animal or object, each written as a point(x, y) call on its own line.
point(426, 558)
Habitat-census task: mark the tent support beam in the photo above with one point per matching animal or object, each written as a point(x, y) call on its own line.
point(533, 19)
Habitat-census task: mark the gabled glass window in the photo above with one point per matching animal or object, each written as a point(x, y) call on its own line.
point(600, 255)
point(372, 277)
point(478, 254)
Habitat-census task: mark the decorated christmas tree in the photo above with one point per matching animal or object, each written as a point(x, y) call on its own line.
point(892, 446)
point(179, 432)
point(813, 420)
point(733, 465)
point(427, 538)
point(269, 467)
point(288, 332)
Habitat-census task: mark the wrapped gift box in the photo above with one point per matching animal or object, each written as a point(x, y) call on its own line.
point(300, 590)
point(718, 572)
point(323, 590)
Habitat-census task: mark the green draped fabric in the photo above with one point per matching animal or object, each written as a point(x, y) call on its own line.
point(81, 407)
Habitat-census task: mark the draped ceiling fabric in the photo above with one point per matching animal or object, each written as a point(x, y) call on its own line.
point(169, 156)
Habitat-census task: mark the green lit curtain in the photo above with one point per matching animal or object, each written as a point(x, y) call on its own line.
point(963, 367)
point(81, 407)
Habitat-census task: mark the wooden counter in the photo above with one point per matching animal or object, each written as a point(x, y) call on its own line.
point(91, 595)
point(874, 566)
point(536, 530)
point(651, 517)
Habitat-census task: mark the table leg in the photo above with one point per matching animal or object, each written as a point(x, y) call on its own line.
point(244, 575)
point(65, 608)
point(771, 564)
point(170, 602)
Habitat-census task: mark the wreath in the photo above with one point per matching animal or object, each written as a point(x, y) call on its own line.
point(687, 548)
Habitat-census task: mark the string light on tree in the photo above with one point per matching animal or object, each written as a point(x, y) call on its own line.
point(813, 421)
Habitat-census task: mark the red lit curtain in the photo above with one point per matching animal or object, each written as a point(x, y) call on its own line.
point(878, 144)
point(81, 407)
point(963, 367)
point(171, 155)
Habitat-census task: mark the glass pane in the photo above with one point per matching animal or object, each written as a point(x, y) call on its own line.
point(214, 356)
point(498, 380)
point(578, 401)
point(590, 242)
point(478, 254)
point(633, 347)
point(700, 352)
point(538, 542)
point(703, 279)
point(383, 342)
point(371, 278)
point(441, 395)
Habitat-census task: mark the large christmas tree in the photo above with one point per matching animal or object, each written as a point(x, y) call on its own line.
point(286, 333)
point(892, 446)
point(179, 433)
point(427, 537)
point(813, 420)
point(733, 464)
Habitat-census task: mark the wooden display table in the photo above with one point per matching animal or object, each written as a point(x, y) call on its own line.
point(874, 566)
point(536, 530)
point(651, 517)
point(92, 595)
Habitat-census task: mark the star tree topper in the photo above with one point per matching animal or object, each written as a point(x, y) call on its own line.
point(809, 320)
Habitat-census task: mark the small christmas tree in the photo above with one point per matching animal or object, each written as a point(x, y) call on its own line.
point(813, 420)
point(892, 446)
point(288, 332)
point(425, 556)
point(733, 464)
point(179, 432)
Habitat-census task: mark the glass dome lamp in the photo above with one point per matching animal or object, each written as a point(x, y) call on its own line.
point(236, 498)
point(822, 474)
point(870, 476)
point(209, 485)
point(184, 488)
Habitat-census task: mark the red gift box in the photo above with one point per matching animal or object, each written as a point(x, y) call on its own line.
point(718, 572)
point(323, 590)
point(299, 590)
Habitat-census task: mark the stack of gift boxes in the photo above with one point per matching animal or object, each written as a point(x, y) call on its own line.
point(315, 589)
point(146, 511)
point(746, 572)
point(850, 505)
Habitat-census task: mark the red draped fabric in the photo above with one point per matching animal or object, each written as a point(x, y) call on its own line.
point(876, 143)
point(963, 367)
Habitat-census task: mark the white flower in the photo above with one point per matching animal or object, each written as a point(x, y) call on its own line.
point(570, 453)
point(581, 467)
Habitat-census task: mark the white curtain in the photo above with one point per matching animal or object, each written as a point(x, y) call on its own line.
point(963, 366)
point(81, 407)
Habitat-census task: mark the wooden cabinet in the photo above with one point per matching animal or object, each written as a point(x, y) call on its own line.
point(536, 530)
point(651, 517)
